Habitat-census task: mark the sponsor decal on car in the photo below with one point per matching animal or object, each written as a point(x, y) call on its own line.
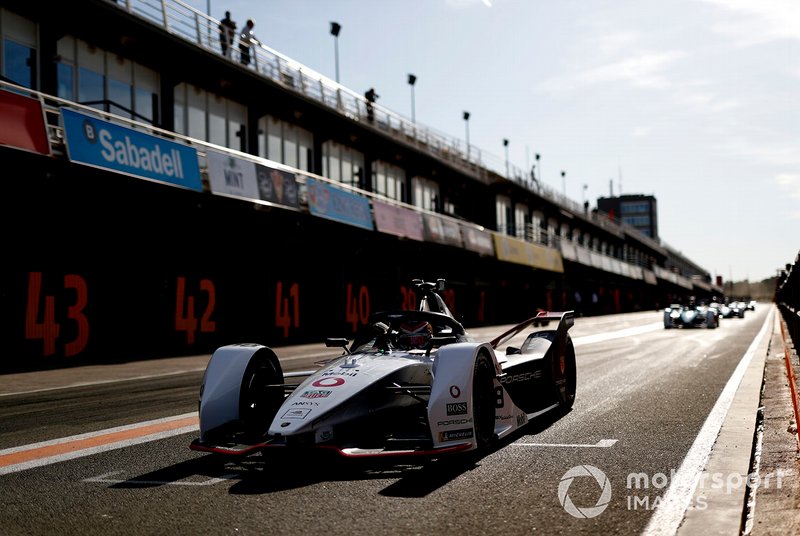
point(328, 382)
point(522, 377)
point(340, 372)
point(455, 391)
point(457, 408)
point(316, 394)
point(296, 413)
point(451, 422)
point(452, 435)
point(303, 403)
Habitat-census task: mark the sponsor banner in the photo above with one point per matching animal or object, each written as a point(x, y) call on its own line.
point(277, 186)
point(477, 240)
point(231, 175)
point(103, 144)
point(518, 251)
point(442, 231)
point(332, 203)
point(23, 123)
point(398, 221)
point(511, 249)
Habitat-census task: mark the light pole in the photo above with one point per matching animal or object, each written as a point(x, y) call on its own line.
point(505, 144)
point(466, 123)
point(537, 156)
point(335, 29)
point(208, 12)
point(564, 182)
point(411, 81)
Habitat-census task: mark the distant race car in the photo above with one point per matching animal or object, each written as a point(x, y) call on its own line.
point(413, 383)
point(751, 305)
point(723, 310)
point(690, 316)
point(738, 309)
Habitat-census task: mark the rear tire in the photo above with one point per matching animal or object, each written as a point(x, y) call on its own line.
point(568, 373)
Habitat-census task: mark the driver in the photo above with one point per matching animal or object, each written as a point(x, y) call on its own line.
point(414, 335)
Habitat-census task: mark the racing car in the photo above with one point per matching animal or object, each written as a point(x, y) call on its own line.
point(690, 316)
point(723, 310)
point(738, 308)
point(413, 383)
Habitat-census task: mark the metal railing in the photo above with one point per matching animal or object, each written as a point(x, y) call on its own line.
point(202, 30)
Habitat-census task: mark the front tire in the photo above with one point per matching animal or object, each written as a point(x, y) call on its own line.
point(261, 393)
point(483, 401)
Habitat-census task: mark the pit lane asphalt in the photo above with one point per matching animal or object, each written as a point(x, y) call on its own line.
point(649, 393)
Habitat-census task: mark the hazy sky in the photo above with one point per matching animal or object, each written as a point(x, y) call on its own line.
point(696, 102)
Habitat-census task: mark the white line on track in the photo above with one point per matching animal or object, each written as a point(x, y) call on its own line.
point(667, 518)
point(104, 479)
point(602, 444)
point(103, 447)
point(609, 335)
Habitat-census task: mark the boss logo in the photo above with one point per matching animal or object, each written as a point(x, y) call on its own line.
point(457, 408)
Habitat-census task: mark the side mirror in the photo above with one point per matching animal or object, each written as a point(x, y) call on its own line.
point(336, 342)
point(440, 285)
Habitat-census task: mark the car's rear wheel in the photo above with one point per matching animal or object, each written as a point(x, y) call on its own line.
point(565, 376)
point(483, 401)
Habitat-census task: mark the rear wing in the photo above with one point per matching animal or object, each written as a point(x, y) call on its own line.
point(565, 320)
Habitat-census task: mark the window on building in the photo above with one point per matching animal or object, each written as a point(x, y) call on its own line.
point(521, 219)
point(210, 117)
point(281, 141)
point(425, 193)
point(389, 180)
point(342, 164)
point(503, 214)
point(19, 50)
point(109, 82)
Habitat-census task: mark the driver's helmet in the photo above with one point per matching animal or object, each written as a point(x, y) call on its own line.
point(414, 335)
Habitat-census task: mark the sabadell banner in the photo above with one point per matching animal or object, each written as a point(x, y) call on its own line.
point(106, 145)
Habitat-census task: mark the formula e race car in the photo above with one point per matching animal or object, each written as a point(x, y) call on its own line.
point(414, 383)
point(690, 316)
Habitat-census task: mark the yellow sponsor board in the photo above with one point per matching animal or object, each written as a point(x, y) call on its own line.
point(520, 252)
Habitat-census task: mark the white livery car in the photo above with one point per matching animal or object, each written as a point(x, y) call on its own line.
point(414, 383)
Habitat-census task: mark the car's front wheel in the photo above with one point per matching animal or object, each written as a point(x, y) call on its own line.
point(261, 392)
point(483, 401)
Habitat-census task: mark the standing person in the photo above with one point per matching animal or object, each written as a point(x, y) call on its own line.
point(371, 96)
point(246, 41)
point(227, 29)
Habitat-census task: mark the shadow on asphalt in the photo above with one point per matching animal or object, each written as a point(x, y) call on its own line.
point(273, 472)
